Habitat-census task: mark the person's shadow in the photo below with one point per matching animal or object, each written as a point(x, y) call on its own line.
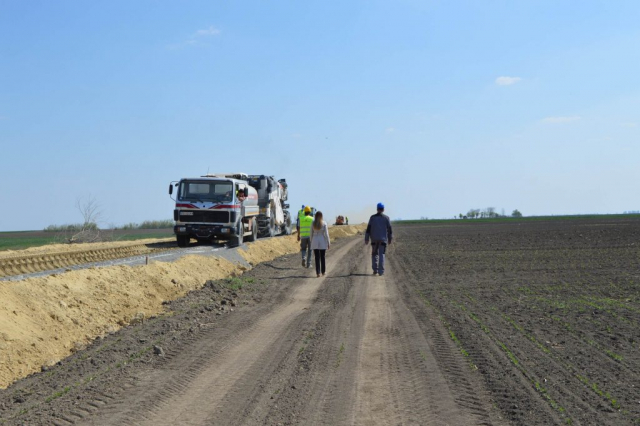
point(349, 275)
point(278, 267)
point(294, 276)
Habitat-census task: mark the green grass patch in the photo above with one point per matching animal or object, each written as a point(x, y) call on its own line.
point(595, 388)
point(58, 394)
point(26, 239)
point(237, 283)
point(19, 243)
point(340, 355)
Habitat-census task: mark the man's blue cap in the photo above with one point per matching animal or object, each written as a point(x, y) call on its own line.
point(303, 206)
point(380, 206)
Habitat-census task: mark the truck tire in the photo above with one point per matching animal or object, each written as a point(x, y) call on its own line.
point(182, 240)
point(254, 230)
point(236, 240)
point(286, 228)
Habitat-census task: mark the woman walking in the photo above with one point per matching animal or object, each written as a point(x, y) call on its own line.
point(319, 242)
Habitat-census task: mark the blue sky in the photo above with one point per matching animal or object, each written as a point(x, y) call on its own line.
point(433, 107)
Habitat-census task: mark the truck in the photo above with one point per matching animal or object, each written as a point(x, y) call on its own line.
point(229, 206)
point(274, 218)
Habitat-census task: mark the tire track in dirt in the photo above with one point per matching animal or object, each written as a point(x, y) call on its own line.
point(345, 349)
point(195, 390)
point(370, 363)
point(399, 380)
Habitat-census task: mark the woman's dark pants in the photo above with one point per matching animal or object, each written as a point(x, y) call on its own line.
point(320, 263)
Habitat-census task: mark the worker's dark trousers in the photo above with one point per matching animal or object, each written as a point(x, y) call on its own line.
point(305, 249)
point(320, 263)
point(377, 256)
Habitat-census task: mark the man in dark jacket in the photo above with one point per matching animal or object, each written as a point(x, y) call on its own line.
point(380, 232)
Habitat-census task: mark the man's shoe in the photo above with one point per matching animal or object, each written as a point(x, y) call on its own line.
point(303, 263)
point(375, 272)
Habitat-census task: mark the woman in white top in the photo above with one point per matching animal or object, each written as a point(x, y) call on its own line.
point(319, 242)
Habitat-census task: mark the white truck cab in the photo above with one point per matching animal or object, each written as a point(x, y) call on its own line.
point(222, 206)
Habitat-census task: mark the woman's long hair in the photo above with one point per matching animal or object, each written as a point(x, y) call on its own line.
point(318, 222)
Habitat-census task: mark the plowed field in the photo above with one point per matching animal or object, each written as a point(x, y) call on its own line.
point(513, 323)
point(548, 313)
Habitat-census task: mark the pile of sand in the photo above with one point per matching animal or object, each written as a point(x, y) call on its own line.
point(43, 320)
point(336, 232)
point(266, 250)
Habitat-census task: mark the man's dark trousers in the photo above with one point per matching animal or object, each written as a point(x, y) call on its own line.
point(378, 249)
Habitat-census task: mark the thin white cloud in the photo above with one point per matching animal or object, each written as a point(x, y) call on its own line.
point(196, 38)
point(211, 31)
point(561, 119)
point(3, 117)
point(630, 125)
point(507, 81)
point(296, 135)
point(390, 129)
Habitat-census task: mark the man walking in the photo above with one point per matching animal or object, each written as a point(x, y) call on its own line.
point(380, 232)
point(304, 232)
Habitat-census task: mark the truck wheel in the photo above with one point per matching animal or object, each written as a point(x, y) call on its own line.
point(286, 228)
point(254, 230)
point(237, 240)
point(183, 240)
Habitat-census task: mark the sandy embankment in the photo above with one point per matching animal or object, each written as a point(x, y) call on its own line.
point(43, 320)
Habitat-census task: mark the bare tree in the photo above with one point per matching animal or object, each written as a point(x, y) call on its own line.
point(91, 213)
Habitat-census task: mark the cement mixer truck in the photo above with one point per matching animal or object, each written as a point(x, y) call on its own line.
point(229, 206)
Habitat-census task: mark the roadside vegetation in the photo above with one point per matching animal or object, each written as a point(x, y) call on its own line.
point(149, 224)
point(26, 239)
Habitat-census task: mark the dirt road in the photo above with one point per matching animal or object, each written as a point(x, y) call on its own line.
point(509, 323)
point(296, 349)
point(371, 364)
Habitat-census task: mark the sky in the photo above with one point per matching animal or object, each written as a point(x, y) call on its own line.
point(431, 107)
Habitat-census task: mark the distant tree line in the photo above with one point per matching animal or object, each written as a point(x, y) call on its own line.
point(92, 226)
point(150, 224)
point(488, 213)
point(74, 227)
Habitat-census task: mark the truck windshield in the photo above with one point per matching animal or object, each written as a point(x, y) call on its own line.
point(217, 192)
